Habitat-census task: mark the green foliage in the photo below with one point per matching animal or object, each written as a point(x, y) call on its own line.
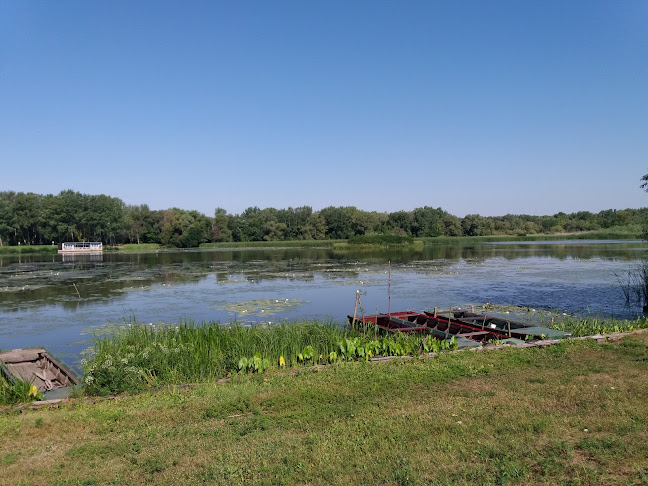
point(382, 240)
point(141, 356)
point(17, 392)
point(254, 364)
point(597, 325)
point(33, 219)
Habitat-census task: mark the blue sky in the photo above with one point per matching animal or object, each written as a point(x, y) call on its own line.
point(488, 107)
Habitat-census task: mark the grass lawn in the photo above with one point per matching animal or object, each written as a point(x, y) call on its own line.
point(573, 413)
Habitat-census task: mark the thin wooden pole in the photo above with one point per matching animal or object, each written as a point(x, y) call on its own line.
point(376, 325)
point(389, 290)
point(77, 290)
point(355, 311)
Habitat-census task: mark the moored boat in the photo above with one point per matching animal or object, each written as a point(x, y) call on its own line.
point(502, 325)
point(37, 366)
point(442, 329)
point(81, 247)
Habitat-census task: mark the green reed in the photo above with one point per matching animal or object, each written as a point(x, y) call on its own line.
point(587, 326)
point(138, 356)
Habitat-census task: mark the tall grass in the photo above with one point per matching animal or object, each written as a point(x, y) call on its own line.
point(23, 249)
point(587, 326)
point(140, 355)
point(134, 247)
point(273, 244)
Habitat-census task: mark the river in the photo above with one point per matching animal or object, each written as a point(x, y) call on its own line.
point(59, 301)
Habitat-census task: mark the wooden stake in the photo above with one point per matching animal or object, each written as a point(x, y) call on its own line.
point(376, 325)
point(389, 290)
point(355, 311)
point(77, 290)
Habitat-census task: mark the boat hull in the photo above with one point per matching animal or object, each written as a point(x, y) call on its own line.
point(37, 366)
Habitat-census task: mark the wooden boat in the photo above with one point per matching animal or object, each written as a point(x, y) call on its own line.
point(37, 366)
point(507, 327)
point(442, 329)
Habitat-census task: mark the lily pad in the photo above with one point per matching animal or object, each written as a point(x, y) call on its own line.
point(261, 307)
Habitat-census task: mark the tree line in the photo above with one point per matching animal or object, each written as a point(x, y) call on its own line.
point(34, 219)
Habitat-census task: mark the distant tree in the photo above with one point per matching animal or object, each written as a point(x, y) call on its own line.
point(339, 223)
point(6, 217)
point(451, 225)
point(426, 222)
point(26, 211)
point(401, 222)
point(644, 186)
point(220, 230)
point(476, 225)
point(314, 228)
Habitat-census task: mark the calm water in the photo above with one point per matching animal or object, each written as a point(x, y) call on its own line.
point(39, 303)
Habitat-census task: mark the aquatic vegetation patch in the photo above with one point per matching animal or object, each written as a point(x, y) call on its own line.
point(358, 283)
point(261, 307)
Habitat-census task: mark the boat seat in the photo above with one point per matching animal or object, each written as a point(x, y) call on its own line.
point(470, 334)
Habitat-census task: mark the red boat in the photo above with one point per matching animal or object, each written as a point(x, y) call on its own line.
point(439, 327)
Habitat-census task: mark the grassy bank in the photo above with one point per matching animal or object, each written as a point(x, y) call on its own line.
point(141, 356)
point(273, 244)
point(28, 249)
point(592, 235)
point(135, 247)
point(570, 414)
point(616, 233)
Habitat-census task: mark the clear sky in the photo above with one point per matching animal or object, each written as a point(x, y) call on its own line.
point(488, 107)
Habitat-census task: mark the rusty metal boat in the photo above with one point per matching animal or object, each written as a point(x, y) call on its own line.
point(442, 329)
point(510, 328)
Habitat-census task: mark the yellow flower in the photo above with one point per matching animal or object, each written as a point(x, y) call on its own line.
point(33, 391)
point(282, 361)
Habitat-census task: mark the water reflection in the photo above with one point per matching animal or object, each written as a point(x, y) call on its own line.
point(73, 281)
point(48, 300)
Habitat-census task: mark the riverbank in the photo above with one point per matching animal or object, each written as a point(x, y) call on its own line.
point(31, 249)
point(574, 412)
point(373, 241)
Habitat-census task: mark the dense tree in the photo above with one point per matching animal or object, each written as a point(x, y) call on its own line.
point(6, 216)
point(220, 230)
point(338, 221)
point(142, 224)
point(476, 225)
point(28, 218)
point(401, 222)
point(426, 222)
